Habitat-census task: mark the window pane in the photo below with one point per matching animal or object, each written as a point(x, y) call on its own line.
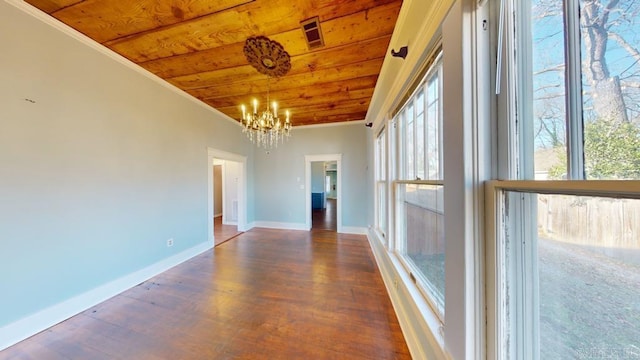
point(588, 275)
point(547, 86)
point(382, 206)
point(611, 88)
point(420, 141)
point(422, 237)
point(381, 156)
point(381, 185)
point(433, 129)
point(409, 144)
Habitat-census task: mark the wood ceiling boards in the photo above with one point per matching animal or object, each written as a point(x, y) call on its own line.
point(197, 45)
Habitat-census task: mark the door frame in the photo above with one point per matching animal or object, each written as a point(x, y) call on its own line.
point(242, 188)
point(308, 159)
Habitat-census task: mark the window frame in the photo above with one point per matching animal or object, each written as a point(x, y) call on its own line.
point(505, 310)
point(509, 309)
point(434, 68)
point(381, 176)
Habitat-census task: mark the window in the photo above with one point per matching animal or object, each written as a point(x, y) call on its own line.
point(585, 118)
point(381, 182)
point(559, 247)
point(572, 289)
point(421, 134)
point(419, 215)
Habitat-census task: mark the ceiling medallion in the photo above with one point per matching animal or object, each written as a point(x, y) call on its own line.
point(265, 128)
point(267, 56)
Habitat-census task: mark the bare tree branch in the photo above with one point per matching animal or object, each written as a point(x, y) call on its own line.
point(625, 45)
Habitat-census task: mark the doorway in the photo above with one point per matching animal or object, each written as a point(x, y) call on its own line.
point(323, 195)
point(227, 199)
point(323, 190)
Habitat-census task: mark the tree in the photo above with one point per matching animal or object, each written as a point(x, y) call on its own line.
point(610, 39)
point(610, 65)
point(612, 151)
point(608, 102)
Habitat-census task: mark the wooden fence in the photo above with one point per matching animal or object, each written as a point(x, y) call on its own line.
point(425, 230)
point(591, 221)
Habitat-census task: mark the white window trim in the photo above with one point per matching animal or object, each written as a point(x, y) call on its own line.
point(384, 133)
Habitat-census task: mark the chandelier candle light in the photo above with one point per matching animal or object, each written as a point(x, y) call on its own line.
point(265, 129)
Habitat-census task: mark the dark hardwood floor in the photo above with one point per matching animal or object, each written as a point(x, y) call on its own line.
point(325, 219)
point(222, 233)
point(265, 294)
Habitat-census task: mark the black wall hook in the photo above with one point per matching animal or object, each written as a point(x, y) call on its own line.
point(400, 53)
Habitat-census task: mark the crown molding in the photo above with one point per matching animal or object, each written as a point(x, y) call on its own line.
point(75, 34)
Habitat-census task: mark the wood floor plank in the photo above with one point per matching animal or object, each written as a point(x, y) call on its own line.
point(222, 233)
point(265, 294)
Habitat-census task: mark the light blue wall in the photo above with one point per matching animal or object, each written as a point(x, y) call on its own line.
point(98, 173)
point(280, 173)
point(371, 213)
point(317, 177)
point(333, 182)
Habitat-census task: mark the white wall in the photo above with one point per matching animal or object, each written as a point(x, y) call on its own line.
point(97, 172)
point(232, 171)
point(280, 174)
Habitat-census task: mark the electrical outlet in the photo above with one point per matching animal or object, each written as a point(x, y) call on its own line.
point(169, 242)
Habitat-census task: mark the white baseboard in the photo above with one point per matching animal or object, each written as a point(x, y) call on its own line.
point(419, 324)
point(217, 215)
point(247, 226)
point(17, 331)
point(228, 222)
point(280, 225)
point(300, 226)
point(353, 230)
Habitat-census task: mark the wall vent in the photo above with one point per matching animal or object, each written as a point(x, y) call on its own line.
point(312, 33)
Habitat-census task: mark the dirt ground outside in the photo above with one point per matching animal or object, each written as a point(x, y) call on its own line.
point(589, 304)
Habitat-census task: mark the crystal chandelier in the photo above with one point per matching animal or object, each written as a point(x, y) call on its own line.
point(265, 128)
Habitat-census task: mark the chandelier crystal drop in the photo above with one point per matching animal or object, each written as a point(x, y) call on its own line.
point(265, 128)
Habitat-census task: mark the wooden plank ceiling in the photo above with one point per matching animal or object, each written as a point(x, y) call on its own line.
point(197, 45)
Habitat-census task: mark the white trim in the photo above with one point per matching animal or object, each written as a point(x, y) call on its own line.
point(308, 159)
point(82, 38)
point(356, 230)
point(484, 156)
point(420, 325)
point(394, 82)
point(343, 123)
point(610, 188)
point(242, 188)
point(573, 91)
point(217, 215)
point(223, 184)
point(17, 331)
point(279, 225)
